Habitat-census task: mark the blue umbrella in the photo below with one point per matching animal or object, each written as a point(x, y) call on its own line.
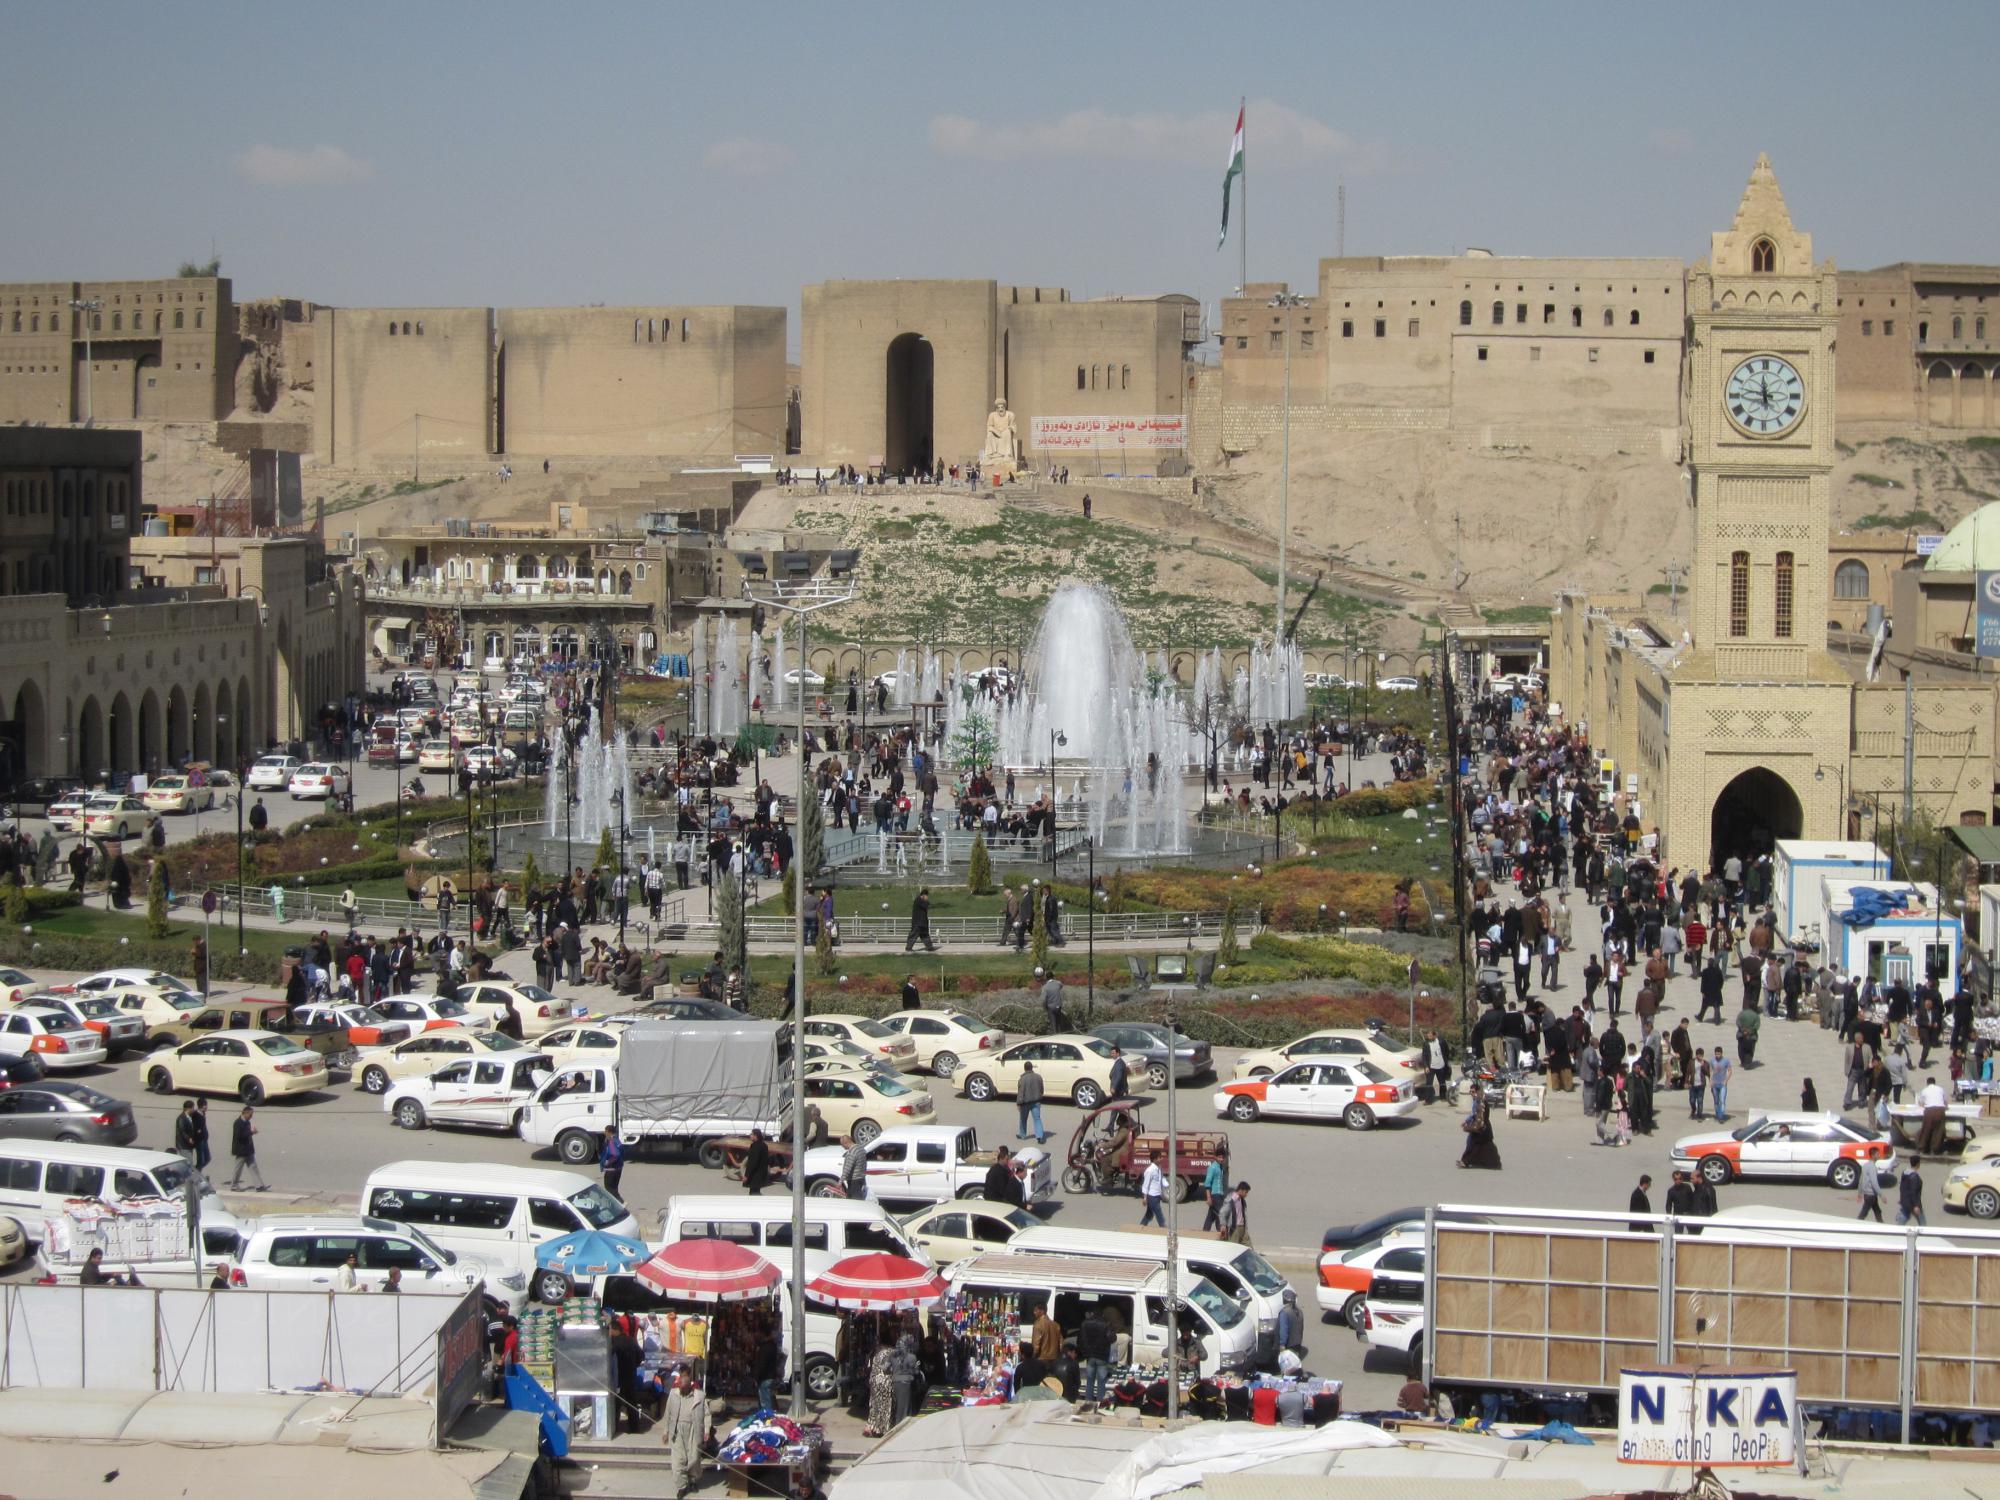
point(590, 1252)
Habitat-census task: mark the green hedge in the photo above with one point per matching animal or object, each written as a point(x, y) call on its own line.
point(47, 950)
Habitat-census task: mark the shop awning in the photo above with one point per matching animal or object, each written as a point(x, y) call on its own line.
point(1983, 844)
point(396, 622)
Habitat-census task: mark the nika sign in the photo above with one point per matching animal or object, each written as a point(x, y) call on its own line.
point(1708, 1416)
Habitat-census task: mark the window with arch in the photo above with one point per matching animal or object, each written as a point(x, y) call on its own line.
point(1124, 377)
point(638, 326)
point(392, 324)
point(1576, 317)
point(1634, 319)
point(406, 326)
point(1499, 313)
point(1465, 314)
point(1979, 329)
point(156, 321)
point(1763, 256)
point(1739, 594)
point(1607, 317)
point(17, 320)
point(1079, 377)
point(178, 315)
point(34, 322)
point(97, 322)
point(197, 320)
point(1093, 377)
point(1781, 596)
point(1958, 328)
point(117, 322)
point(1850, 580)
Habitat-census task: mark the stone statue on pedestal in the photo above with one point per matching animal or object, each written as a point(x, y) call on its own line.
point(1003, 443)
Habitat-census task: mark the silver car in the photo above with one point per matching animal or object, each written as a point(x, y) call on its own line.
point(1144, 1044)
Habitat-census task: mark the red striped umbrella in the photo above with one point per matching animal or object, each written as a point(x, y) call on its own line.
point(877, 1282)
point(705, 1270)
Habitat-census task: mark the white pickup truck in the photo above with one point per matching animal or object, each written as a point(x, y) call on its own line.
point(929, 1164)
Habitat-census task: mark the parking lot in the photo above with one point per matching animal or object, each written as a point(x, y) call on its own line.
point(316, 1150)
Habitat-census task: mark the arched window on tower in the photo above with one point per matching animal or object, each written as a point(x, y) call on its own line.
point(1634, 319)
point(1124, 377)
point(1079, 377)
point(1093, 377)
point(1763, 257)
point(1979, 329)
point(1499, 313)
point(1957, 326)
point(1465, 314)
point(1781, 595)
point(1739, 594)
point(1607, 317)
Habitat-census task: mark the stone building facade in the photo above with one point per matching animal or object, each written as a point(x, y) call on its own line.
point(69, 507)
point(1922, 342)
point(455, 386)
point(902, 374)
point(156, 350)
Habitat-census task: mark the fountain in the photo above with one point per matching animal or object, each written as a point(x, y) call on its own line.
point(600, 770)
point(725, 693)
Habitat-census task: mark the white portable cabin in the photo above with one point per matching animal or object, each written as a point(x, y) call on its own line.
point(1799, 868)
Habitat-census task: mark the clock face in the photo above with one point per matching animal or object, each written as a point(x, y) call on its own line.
point(1765, 396)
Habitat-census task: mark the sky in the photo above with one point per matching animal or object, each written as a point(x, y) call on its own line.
point(440, 153)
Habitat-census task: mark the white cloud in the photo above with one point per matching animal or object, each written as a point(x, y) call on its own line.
point(1273, 136)
point(747, 157)
point(1670, 138)
point(318, 166)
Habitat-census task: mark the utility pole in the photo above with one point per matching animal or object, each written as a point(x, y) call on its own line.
point(1675, 573)
point(87, 307)
point(1287, 301)
point(1909, 747)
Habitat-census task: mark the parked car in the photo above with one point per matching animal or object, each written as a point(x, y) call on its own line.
point(271, 773)
point(365, 1027)
point(121, 1033)
point(1785, 1143)
point(1335, 1045)
point(13, 1241)
point(182, 792)
point(540, 1011)
point(318, 781)
point(951, 1231)
point(945, 1038)
point(1356, 1093)
point(928, 1163)
point(303, 1252)
point(1144, 1044)
point(1973, 1188)
point(1392, 1316)
point(679, 1008)
point(109, 816)
point(252, 1065)
point(57, 1110)
point(423, 1012)
point(39, 793)
point(17, 1069)
point(59, 1042)
point(427, 1053)
point(434, 755)
point(14, 984)
point(578, 1043)
point(1072, 1066)
point(66, 812)
point(1397, 684)
point(483, 1091)
point(859, 1105)
point(160, 1001)
point(1346, 1275)
point(869, 1035)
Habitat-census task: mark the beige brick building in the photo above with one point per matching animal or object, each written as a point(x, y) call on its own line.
point(118, 351)
point(1920, 346)
point(1744, 726)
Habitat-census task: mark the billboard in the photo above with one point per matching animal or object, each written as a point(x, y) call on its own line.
point(1155, 434)
point(1708, 1417)
point(1987, 640)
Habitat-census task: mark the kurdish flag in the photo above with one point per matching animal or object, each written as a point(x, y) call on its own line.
point(1235, 171)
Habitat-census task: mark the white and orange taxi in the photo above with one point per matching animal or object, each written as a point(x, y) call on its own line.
point(1784, 1143)
point(1357, 1093)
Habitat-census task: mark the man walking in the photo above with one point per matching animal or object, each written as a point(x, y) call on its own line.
point(1216, 1187)
point(243, 1146)
point(920, 923)
point(1641, 1203)
point(1910, 1195)
point(611, 1161)
point(1438, 1062)
point(184, 1128)
point(1236, 1215)
point(1871, 1189)
point(1120, 1074)
point(1052, 1004)
point(1153, 1188)
point(1028, 1104)
point(1719, 1071)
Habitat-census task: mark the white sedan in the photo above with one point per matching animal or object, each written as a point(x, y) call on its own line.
point(871, 1036)
point(1356, 1093)
point(423, 1012)
point(107, 816)
point(318, 780)
point(582, 1044)
point(1333, 1045)
point(945, 1038)
point(859, 1105)
point(14, 984)
point(434, 756)
point(1397, 684)
point(53, 1037)
point(539, 1010)
point(271, 773)
point(483, 1091)
point(427, 1053)
point(951, 1231)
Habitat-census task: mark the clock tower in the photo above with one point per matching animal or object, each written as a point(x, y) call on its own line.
point(1758, 707)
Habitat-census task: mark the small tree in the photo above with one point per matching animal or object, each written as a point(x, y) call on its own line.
point(531, 875)
point(812, 832)
point(1227, 951)
point(979, 869)
point(975, 744)
point(607, 856)
point(823, 949)
point(13, 901)
point(786, 887)
point(1038, 929)
point(156, 900)
point(729, 919)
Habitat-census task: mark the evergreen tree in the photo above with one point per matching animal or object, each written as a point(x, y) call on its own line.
point(812, 833)
point(607, 855)
point(531, 875)
point(979, 869)
point(1038, 930)
point(156, 900)
point(729, 922)
point(13, 901)
point(1226, 949)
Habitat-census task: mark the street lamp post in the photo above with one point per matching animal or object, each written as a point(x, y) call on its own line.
point(1056, 737)
point(1287, 301)
point(801, 599)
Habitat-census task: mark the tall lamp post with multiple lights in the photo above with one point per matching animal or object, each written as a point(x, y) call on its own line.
point(1287, 302)
point(802, 599)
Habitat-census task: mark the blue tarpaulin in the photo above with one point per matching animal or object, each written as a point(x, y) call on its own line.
point(1870, 905)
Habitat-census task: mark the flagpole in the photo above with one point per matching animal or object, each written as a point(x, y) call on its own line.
point(1243, 183)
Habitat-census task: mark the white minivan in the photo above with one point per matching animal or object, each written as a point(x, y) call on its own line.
point(1132, 1294)
point(38, 1177)
point(835, 1228)
point(493, 1216)
point(1236, 1269)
